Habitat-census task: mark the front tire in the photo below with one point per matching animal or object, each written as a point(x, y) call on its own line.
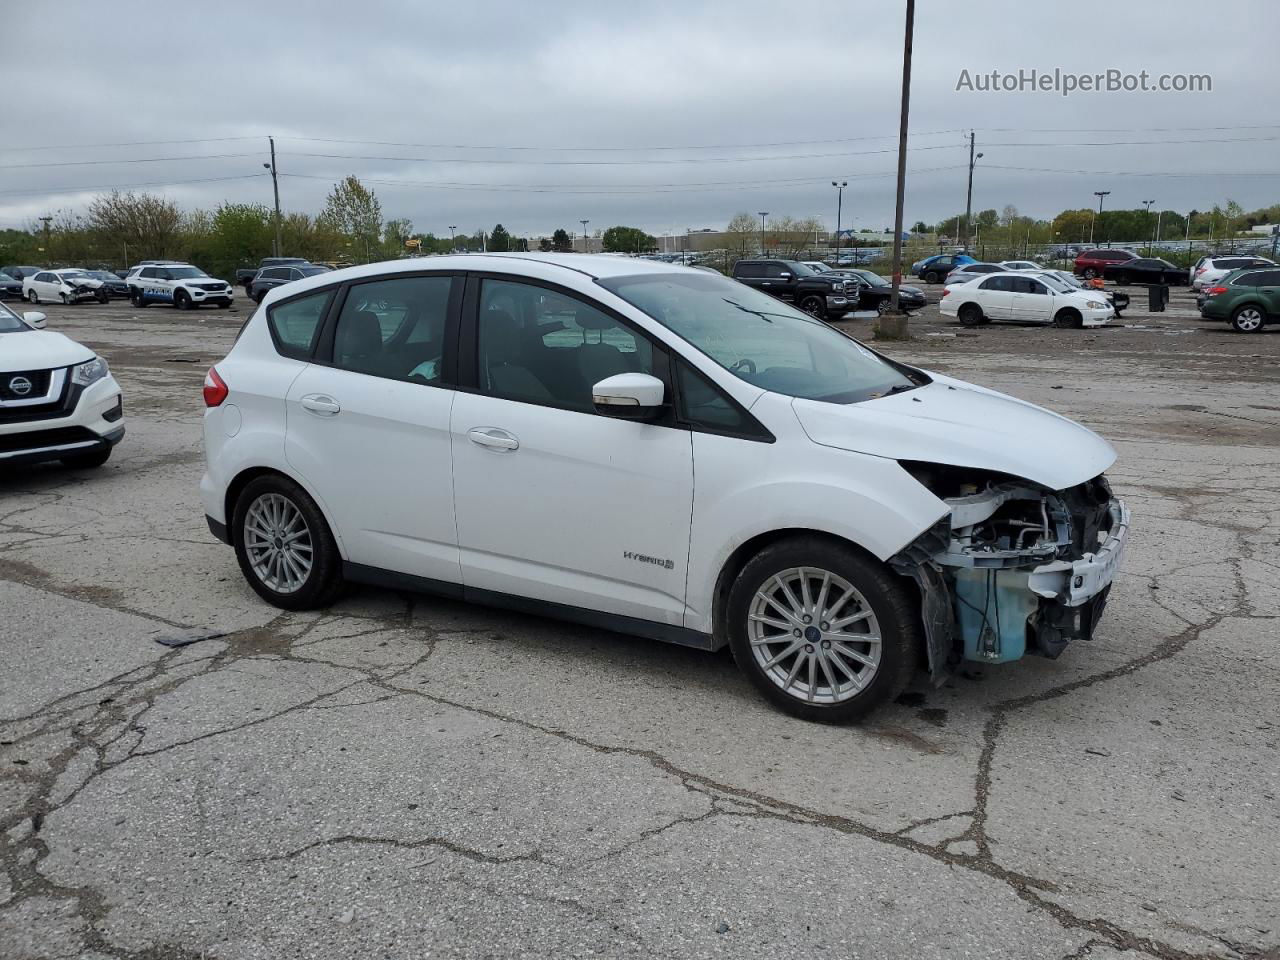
point(87, 461)
point(284, 545)
point(1068, 318)
point(970, 315)
point(822, 631)
point(813, 305)
point(137, 299)
point(182, 300)
point(1248, 319)
point(33, 297)
point(103, 295)
point(932, 277)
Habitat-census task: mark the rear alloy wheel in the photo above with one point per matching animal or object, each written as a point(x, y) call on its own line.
point(823, 632)
point(1089, 273)
point(284, 546)
point(182, 300)
point(1247, 319)
point(970, 315)
point(815, 307)
point(1068, 318)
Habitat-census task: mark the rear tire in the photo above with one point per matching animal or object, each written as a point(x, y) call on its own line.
point(931, 277)
point(1248, 319)
point(103, 295)
point(1089, 273)
point(258, 540)
point(87, 461)
point(970, 315)
point(33, 297)
point(1068, 318)
point(813, 305)
point(850, 677)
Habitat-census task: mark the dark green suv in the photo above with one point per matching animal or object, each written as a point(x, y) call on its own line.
point(1249, 299)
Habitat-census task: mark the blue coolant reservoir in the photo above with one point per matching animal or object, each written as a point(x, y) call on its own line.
point(992, 607)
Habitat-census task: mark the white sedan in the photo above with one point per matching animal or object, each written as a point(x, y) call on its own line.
point(1020, 265)
point(1019, 297)
point(66, 286)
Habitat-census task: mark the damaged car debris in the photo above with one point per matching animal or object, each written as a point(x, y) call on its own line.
point(1014, 568)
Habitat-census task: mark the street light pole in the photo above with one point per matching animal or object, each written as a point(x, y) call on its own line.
point(897, 325)
point(1099, 194)
point(763, 214)
point(275, 187)
point(839, 205)
point(1147, 204)
point(586, 248)
point(453, 246)
point(968, 197)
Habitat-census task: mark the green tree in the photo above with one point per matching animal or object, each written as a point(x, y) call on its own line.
point(241, 233)
point(544, 245)
point(560, 240)
point(353, 210)
point(394, 235)
point(627, 240)
point(499, 239)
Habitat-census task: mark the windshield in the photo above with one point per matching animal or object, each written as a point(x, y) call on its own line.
point(872, 278)
point(5, 278)
point(760, 340)
point(71, 274)
point(1055, 283)
point(9, 322)
point(185, 273)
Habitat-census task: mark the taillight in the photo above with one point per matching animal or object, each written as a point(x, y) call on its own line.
point(1200, 270)
point(215, 389)
point(1214, 291)
point(945, 291)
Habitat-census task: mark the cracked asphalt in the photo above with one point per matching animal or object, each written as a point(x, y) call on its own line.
point(402, 776)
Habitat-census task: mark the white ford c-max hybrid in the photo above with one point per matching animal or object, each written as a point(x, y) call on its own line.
point(659, 451)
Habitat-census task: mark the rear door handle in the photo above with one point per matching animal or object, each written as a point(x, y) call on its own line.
point(494, 438)
point(321, 405)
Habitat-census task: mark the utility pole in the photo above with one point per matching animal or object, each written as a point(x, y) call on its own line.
point(1099, 194)
point(586, 246)
point(895, 325)
point(45, 249)
point(275, 186)
point(839, 210)
point(968, 198)
point(453, 247)
point(763, 214)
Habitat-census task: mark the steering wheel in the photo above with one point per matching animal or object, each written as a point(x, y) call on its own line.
point(749, 365)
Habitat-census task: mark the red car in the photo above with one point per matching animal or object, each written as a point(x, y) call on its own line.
point(1092, 263)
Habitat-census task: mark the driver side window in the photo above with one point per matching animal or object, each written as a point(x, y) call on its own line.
point(538, 345)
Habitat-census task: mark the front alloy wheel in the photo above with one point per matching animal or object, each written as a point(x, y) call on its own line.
point(1247, 319)
point(822, 631)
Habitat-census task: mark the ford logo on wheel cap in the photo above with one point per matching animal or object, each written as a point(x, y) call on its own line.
point(20, 386)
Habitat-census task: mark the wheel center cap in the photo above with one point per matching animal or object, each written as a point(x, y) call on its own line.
point(812, 634)
point(279, 544)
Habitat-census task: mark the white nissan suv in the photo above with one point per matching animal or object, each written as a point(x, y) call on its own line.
point(58, 401)
point(659, 451)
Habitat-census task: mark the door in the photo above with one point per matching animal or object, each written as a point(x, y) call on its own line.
point(367, 424)
point(1030, 300)
point(1268, 282)
point(779, 281)
point(554, 501)
point(46, 285)
point(996, 297)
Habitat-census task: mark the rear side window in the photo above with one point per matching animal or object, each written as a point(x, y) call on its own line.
point(394, 328)
point(997, 283)
point(749, 269)
point(294, 324)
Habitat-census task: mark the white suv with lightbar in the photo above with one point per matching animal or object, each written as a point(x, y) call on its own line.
point(660, 451)
point(180, 284)
point(58, 400)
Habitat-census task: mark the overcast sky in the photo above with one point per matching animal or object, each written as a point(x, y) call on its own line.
point(767, 103)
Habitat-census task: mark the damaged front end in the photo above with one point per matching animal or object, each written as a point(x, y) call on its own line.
point(1014, 568)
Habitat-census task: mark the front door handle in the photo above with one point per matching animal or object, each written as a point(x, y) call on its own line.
point(494, 438)
point(321, 405)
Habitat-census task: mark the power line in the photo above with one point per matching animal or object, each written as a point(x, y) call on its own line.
point(97, 163)
point(132, 143)
point(129, 186)
point(1131, 173)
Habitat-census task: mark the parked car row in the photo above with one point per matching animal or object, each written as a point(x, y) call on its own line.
point(821, 291)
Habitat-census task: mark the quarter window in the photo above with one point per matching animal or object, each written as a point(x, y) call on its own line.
point(541, 346)
point(703, 405)
point(394, 328)
point(294, 324)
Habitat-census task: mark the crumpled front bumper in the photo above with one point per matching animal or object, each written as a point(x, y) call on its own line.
point(1075, 582)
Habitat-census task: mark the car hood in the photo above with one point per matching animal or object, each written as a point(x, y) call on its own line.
point(959, 424)
point(39, 350)
point(91, 282)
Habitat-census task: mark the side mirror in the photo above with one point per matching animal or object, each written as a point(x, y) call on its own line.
point(784, 275)
point(629, 396)
point(35, 319)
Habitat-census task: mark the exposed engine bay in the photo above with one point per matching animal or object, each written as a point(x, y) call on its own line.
point(1015, 567)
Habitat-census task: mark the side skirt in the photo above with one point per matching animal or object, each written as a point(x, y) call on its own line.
point(633, 626)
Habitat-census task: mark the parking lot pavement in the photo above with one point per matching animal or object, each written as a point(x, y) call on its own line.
point(401, 776)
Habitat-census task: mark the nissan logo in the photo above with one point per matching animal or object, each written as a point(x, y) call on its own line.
point(20, 386)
